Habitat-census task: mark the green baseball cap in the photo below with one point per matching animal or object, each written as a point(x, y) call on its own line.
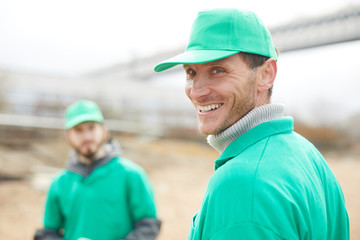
point(220, 33)
point(82, 111)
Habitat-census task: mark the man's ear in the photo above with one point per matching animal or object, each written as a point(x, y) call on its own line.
point(267, 75)
point(107, 135)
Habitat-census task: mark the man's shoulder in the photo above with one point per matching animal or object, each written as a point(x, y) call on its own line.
point(258, 163)
point(126, 164)
point(60, 179)
point(65, 176)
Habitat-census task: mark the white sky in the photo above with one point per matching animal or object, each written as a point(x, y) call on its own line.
point(74, 36)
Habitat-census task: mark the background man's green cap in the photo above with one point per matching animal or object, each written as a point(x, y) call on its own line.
point(220, 33)
point(82, 111)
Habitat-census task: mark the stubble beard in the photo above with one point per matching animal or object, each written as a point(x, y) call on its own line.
point(89, 152)
point(246, 102)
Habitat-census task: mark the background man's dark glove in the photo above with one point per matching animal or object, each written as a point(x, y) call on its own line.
point(47, 234)
point(145, 229)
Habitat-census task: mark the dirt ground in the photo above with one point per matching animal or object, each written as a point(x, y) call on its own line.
point(178, 169)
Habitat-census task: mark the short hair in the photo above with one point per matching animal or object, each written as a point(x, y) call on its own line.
point(254, 61)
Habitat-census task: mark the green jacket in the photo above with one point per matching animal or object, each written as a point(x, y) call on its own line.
point(104, 205)
point(271, 183)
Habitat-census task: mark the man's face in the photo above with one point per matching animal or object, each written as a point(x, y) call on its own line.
point(222, 92)
point(87, 138)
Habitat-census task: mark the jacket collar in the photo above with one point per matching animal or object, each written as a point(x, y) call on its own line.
point(112, 149)
point(256, 116)
point(259, 132)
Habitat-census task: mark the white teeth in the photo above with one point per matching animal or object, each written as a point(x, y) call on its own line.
point(209, 107)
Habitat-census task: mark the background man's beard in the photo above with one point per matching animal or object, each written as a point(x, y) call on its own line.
point(89, 153)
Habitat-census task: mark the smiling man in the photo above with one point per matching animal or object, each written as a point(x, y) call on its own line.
point(100, 195)
point(269, 182)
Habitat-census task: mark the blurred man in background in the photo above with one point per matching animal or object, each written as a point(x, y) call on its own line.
point(99, 195)
point(269, 182)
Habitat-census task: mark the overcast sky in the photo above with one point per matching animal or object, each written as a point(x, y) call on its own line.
point(71, 37)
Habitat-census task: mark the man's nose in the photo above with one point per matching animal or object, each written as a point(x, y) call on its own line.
point(200, 87)
point(87, 134)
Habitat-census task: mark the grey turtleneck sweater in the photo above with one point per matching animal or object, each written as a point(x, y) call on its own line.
point(253, 118)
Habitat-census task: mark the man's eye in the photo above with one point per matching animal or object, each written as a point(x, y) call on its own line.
point(218, 70)
point(190, 73)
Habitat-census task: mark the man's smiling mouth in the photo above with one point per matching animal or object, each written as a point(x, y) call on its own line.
point(204, 109)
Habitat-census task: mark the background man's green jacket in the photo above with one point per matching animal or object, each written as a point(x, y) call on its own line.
point(105, 205)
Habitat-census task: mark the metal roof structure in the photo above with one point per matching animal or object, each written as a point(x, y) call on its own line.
point(341, 26)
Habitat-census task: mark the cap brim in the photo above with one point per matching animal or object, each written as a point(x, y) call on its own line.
point(194, 57)
point(81, 119)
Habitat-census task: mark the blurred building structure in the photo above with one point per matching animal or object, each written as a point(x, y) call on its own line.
point(133, 93)
point(339, 27)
